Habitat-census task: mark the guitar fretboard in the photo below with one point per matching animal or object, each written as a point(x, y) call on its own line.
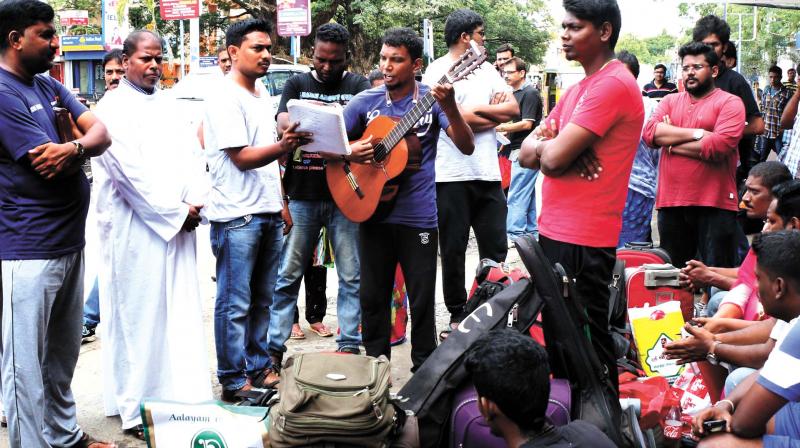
point(405, 124)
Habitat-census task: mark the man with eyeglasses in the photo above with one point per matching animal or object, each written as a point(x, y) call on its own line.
point(698, 131)
point(659, 87)
point(521, 217)
point(468, 191)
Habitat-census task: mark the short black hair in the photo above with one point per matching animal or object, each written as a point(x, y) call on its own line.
point(18, 15)
point(776, 69)
point(778, 254)
point(374, 75)
point(709, 25)
point(697, 49)
point(238, 30)
point(788, 196)
point(660, 66)
point(504, 48)
point(334, 33)
point(512, 371)
point(519, 64)
point(598, 12)
point(730, 51)
point(113, 55)
point(404, 37)
point(771, 173)
point(460, 21)
point(133, 39)
point(630, 60)
point(221, 48)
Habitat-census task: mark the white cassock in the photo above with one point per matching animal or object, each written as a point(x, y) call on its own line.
point(150, 310)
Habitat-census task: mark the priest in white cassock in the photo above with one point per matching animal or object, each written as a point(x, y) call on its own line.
point(148, 202)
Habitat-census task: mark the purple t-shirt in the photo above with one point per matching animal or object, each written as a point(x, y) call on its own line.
point(39, 219)
point(415, 205)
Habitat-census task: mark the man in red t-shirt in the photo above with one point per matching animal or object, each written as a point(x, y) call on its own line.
point(585, 148)
point(699, 132)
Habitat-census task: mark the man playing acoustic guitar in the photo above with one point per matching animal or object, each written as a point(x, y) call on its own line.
point(408, 232)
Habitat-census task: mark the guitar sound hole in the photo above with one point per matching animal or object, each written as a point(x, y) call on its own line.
point(380, 152)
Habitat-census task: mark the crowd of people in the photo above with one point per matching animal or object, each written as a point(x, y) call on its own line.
point(597, 165)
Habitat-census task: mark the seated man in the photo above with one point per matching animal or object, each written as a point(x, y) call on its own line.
point(721, 340)
point(513, 398)
point(764, 409)
point(758, 195)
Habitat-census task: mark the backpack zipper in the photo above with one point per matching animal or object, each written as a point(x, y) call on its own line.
point(512, 315)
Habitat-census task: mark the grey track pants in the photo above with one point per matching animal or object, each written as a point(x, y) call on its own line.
point(41, 339)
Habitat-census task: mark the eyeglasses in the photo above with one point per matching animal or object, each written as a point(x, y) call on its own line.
point(695, 67)
point(481, 32)
point(508, 72)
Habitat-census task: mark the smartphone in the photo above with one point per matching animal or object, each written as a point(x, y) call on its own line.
point(714, 426)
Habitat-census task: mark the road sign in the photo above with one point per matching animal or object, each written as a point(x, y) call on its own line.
point(294, 17)
point(180, 9)
point(71, 17)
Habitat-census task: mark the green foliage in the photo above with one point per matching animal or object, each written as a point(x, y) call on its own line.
point(775, 30)
point(651, 50)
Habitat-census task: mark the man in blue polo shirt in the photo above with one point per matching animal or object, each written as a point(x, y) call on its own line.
point(764, 409)
point(44, 198)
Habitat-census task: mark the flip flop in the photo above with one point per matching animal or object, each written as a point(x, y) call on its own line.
point(136, 431)
point(297, 332)
point(321, 330)
point(447, 330)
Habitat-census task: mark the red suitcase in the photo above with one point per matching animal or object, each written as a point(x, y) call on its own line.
point(650, 285)
point(637, 254)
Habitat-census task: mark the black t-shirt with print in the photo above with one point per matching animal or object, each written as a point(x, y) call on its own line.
point(305, 173)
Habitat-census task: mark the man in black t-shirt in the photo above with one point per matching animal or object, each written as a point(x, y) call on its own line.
point(310, 201)
point(512, 377)
point(715, 32)
point(521, 218)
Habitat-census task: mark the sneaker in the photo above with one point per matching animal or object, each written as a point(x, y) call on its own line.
point(700, 309)
point(349, 350)
point(87, 335)
point(510, 243)
point(229, 395)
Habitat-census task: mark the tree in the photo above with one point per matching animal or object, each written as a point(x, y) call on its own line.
point(652, 50)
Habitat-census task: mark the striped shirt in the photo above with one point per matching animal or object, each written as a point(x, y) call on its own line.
point(773, 101)
point(650, 90)
point(790, 156)
point(779, 374)
point(791, 86)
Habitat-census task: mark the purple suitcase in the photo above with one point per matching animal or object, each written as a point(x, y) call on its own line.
point(469, 429)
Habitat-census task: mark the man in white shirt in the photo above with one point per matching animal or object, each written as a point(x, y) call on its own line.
point(468, 191)
point(245, 208)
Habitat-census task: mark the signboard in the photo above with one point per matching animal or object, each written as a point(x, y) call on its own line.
point(180, 9)
point(427, 39)
point(115, 27)
point(294, 17)
point(89, 42)
point(72, 17)
point(208, 61)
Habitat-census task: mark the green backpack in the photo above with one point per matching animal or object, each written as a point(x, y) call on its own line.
point(330, 398)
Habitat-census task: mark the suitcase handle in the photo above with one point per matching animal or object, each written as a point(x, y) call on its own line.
point(639, 245)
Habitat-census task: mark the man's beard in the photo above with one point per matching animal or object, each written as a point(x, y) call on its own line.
point(701, 89)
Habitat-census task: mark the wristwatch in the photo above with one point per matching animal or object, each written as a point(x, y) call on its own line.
point(711, 357)
point(697, 135)
point(79, 147)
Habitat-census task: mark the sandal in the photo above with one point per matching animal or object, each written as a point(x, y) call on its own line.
point(266, 379)
point(136, 431)
point(297, 332)
point(321, 330)
point(447, 330)
point(88, 441)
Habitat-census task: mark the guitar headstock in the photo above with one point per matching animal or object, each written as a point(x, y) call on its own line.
point(466, 63)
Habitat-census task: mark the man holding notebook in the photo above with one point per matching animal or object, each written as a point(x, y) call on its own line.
point(310, 201)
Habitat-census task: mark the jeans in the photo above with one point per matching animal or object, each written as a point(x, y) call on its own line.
point(91, 308)
point(716, 297)
point(735, 377)
point(521, 217)
point(685, 231)
point(636, 218)
point(308, 218)
point(247, 250)
point(765, 145)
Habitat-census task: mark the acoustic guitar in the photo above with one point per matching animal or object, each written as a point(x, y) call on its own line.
point(358, 188)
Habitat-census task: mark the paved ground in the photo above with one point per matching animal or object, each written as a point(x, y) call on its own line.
point(87, 383)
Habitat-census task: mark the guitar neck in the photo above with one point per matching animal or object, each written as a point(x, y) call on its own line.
point(406, 123)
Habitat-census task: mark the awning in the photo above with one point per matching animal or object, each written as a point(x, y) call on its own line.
point(785, 4)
